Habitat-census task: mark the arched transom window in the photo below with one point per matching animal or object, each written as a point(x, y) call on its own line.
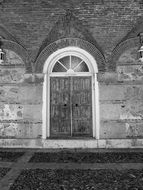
point(70, 64)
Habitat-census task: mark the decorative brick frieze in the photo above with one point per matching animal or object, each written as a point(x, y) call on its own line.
point(62, 43)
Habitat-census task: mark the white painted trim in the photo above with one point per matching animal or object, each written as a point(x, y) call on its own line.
point(48, 66)
point(70, 74)
point(48, 106)
point(47, 70)
point(93, 107)
point(44, 108)
point(97, 112)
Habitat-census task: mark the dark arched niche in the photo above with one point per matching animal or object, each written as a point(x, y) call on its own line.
point(11, 43)
point(129, 43)
point(125, 53)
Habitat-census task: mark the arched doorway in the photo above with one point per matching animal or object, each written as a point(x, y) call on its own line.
point(70, 95)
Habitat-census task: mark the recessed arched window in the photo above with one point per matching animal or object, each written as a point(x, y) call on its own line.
point(70, 64)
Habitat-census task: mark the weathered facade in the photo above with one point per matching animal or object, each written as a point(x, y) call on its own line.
point(71, 76)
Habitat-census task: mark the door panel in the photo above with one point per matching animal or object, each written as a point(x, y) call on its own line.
point(70, 106)
point(81, 106)
point(60, 120)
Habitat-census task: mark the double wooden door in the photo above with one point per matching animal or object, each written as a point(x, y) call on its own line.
point(70, 106)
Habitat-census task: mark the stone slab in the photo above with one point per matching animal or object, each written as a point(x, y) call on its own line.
point(21, 112)
point(21, 143)
point(130, 72)
point(30, 94)
point(60, 144)
point(32, 112)
point(20, 130)
point(110, 111)
point(107, 77)
point(113, 130)
point(112, 92)
point(121, 129)
point(12, 75)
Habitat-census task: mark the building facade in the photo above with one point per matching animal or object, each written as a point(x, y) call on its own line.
point(71, 75)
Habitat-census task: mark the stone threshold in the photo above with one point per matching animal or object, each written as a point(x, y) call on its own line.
point(71, 143)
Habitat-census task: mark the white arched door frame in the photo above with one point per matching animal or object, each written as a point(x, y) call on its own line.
point(47, 70)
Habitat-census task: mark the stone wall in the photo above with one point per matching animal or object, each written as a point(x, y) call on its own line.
point(34, 29)
point(121, 98)
point(20, 100)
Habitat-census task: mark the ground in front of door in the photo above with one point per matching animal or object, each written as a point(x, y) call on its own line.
point(32, 169)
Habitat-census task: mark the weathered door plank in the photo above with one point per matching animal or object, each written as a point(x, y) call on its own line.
point(81, 106)
point(60, 121)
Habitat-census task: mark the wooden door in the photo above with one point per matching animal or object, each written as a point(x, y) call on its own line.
point(70, 107)
point(81, 106)
point(60, 116)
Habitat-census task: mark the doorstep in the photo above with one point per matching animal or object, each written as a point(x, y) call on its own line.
point(71, 143)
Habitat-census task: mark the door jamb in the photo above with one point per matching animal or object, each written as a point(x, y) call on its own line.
point(46, 91)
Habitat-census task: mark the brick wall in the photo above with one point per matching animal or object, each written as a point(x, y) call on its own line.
point(107, 20)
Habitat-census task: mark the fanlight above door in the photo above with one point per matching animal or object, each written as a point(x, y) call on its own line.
point(70, 64)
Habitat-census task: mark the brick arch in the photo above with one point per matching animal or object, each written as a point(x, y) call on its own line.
point(18, 49)
point(11, 43)
point(135, 31)
point(66, 42)
point(7, 35)
point(120, 48)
